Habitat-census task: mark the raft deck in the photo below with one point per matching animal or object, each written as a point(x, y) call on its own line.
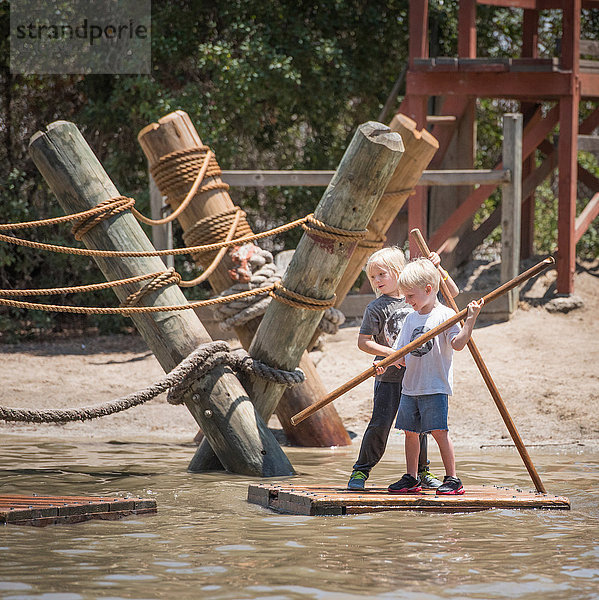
point(331, 500)
point(49, 510)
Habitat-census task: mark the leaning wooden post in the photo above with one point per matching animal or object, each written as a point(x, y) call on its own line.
point(319, 261)
point(420, 147)
point(175, 133)
point(218, 402)
point(511, 203)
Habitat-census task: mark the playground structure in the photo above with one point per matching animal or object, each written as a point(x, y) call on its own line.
point(454, 84)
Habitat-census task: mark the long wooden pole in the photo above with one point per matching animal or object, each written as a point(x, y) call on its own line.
point(482, 367)
point(429, 335)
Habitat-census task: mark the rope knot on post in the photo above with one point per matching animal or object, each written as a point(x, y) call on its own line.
point(104, 210)
point(282, 294)
point(313, 225)
point(170, 276)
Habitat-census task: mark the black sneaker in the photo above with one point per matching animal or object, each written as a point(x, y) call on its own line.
point(406, 485)
point(357, 480)
point(452, 486)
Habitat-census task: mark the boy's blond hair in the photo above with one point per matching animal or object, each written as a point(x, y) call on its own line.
point(419, 273)
point(391, 258)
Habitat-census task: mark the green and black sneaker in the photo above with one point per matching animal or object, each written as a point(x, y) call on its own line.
point(357, 480)
point(429, 481)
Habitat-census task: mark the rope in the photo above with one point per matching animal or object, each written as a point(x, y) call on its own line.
point(282, 294)
point(197, 364)
point(174, 172)
point(107, 208)
point(170, 276)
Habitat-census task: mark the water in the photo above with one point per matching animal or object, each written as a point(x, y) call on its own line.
point(207, 542)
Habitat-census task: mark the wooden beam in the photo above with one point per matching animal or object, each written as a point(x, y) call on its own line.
point(318, 262)
point(588, 178)
point(570, 50)
point(467, 29)
point(591, 123)
point(530, 33)
point(566, 256)
point(511, 204)
point(454, 106)
point(418, 17)
point(586, 217)
point(535, 86)
point(433, 177)
point(588, 143)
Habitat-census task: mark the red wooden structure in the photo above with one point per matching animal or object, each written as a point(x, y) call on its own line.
point(531, 80)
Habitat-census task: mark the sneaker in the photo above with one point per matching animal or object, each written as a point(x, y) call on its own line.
point(357, 480)
point(429, 481)
point(452, 486)
point(406, 485)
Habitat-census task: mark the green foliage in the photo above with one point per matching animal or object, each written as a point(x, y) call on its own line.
point(275, 85)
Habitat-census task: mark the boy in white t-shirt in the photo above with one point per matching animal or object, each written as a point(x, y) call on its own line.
point(428, 379)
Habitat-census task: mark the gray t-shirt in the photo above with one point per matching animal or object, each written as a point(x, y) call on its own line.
point(383, 320)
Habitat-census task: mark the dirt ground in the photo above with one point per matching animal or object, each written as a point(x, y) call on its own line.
point(544, 365)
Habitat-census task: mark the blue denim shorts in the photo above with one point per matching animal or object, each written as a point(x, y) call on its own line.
point(422, 414)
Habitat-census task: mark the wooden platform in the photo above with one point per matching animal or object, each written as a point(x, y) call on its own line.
point(329, 500)
point(48, 510)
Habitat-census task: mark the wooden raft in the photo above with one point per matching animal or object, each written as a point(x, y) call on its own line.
point(330, 500)
point(49, 510)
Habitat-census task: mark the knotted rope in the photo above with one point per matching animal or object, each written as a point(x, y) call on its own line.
point(178, 381)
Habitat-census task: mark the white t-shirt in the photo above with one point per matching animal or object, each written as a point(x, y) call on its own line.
point(429, 368)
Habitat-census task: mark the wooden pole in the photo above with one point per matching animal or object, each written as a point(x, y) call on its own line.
point(218, 402)
point(318, 262)
point(511, 204)
point(175, 132)
point(371, 372)
point(420, 147)
point(486, 375)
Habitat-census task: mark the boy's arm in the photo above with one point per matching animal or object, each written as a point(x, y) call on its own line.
point(368, 345)
point(459, 341)
point(451, 284)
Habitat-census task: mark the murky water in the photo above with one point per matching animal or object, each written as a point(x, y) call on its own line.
point(207, 542)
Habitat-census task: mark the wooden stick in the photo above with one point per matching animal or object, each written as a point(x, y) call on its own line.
point(429, 335)
point(482, 367)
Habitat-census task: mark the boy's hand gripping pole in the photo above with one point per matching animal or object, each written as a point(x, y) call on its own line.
point(429, 335)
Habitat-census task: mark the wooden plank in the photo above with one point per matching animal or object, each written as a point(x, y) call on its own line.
point(589, 47)
point(586, 217)
point(431, 177)
point(484, 65)
point(262, 178)
point(330, 500)
point(588, 143)
point(47, 510)
point(441, 119)
point(535, 86)
point(527, 65)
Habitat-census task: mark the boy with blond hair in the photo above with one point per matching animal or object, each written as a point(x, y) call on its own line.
point(428, 379)
point(382, 322)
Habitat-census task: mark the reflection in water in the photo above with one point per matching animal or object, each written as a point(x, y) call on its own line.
point(207, 542)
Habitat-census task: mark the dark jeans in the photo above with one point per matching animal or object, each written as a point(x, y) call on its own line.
point(374, 442)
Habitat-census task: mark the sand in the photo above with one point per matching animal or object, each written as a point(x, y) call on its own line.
point(544, 365)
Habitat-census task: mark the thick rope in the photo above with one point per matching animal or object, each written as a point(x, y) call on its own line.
point(286, 296)
point(237, 313)
point(196, 365)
